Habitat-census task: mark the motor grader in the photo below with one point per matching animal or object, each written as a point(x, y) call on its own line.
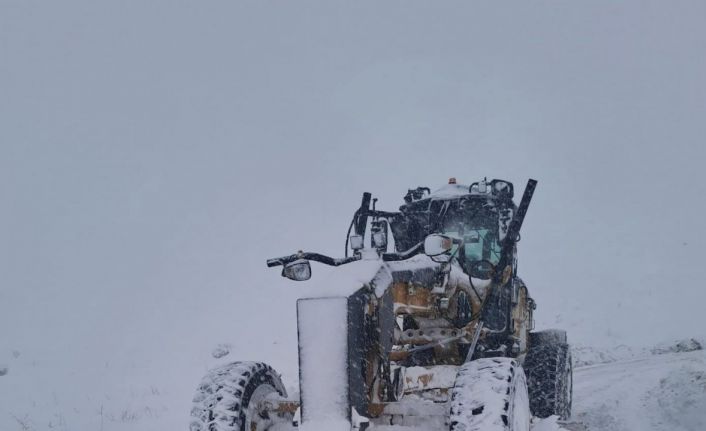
point(425, 324)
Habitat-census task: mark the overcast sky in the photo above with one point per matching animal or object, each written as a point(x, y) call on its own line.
point(154, 154)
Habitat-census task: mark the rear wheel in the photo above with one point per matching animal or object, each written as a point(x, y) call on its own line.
point(490, 394)
point(549, 375)
point(230, 398)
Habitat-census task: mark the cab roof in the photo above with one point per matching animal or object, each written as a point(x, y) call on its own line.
point(495, 190)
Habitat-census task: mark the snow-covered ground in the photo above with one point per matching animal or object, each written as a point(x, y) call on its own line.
point(655, 392)
point(653, 389)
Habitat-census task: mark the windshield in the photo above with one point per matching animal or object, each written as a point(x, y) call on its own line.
point(473, 219)
point(476, 224)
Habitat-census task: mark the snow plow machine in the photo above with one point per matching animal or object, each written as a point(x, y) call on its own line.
point(423, 325)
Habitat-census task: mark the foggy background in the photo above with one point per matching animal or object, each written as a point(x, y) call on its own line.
point(153, 155)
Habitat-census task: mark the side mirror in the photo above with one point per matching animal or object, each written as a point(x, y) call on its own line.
point(299, 270)
point(378, 232)
point(356, 242)
point(500, 187)
point(436, 245)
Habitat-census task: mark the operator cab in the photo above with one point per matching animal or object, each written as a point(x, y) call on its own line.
point(479, 214)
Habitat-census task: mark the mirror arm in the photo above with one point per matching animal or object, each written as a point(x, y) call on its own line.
point(316, 257)
point(404, 254)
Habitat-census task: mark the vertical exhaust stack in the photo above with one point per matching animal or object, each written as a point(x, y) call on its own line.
point(513, 231)
point(362, 216)
point(499, 316)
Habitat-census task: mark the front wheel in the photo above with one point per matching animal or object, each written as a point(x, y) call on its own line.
point(230, 398)
point(490, 394)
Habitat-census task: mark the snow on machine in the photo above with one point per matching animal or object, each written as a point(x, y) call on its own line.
point(425, 324)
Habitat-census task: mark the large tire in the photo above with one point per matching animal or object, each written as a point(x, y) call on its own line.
point(549, 375)
point(490, 394)
point(227, 398)
point(548, 336)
